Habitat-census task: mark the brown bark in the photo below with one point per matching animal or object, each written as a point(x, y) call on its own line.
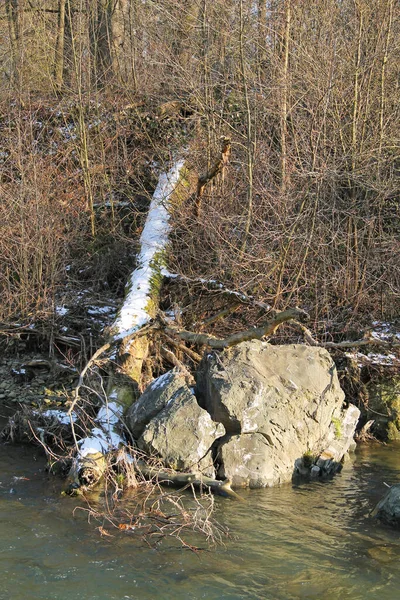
point(14, 16)
point(100, 33)
point(219, 167)
point(222, 488)
point(63, 56)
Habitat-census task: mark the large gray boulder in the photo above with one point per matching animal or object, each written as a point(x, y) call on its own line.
point(181, 434)
point(288, 395)
point(153, 400)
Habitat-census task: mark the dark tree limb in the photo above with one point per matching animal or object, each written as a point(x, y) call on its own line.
point(255, 333)
point(367, 340)
point(222, 488)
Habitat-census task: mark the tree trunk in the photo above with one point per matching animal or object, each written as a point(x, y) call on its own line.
point(63, 57)
point(100, 33)
point(138, 309)
point(14, 16)
point(119, 40)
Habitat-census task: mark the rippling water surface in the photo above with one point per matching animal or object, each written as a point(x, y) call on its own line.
point(313, 541)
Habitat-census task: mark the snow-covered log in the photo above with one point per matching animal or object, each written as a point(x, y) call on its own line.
point(139, 307)
point(139, 304)
point(143, 288)
point(90, 462)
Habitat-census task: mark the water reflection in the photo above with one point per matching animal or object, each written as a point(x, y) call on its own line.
point(314, 540)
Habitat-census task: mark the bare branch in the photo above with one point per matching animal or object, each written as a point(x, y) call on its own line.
point(255, 333)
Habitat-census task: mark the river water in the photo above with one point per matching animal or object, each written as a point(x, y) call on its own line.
point(313, 541)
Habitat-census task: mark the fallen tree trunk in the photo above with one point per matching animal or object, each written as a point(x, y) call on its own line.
point(138, 309)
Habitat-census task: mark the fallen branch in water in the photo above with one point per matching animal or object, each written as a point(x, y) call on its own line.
point(221, 488)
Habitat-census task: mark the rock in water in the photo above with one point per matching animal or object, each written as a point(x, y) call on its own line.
point(388, 509)
point(282, 408)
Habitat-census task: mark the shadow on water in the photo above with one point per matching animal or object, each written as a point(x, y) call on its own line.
point(314, 540)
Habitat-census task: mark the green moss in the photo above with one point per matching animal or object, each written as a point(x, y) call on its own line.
point(182, 189)
point(384, 398)
point(337, 423)
point(120, 479)
point(393, 432)
point(123, 395)
point(309, 459)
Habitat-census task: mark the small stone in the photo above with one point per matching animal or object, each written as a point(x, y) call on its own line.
point(315, 472)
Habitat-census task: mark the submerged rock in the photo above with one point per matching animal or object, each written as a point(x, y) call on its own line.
point(249, 461)
point(388, 509)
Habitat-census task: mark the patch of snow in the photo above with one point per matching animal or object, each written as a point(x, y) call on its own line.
point(374, 358)
point(68, 131)
point(384, 331)
point(160, 381)
point(133, 313)
point(100, 310)
point(105, 436)
point(166, 273)
point(61, 311)
point(170, 314)
point(61, 416)
point(381, 359)
point(95, 123)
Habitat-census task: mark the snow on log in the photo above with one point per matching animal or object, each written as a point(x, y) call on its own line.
point(90, 463)
point(139, 307)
